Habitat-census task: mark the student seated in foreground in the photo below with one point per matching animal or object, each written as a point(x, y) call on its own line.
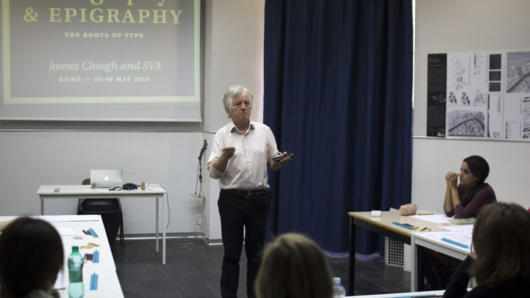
point(294, 266)
point(31, 255)
point(500, 262)
point(466, 199)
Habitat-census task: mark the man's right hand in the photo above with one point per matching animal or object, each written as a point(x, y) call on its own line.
point(221, 162)
point(228, 152)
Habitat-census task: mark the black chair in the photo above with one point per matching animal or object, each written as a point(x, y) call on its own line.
point(110, 211)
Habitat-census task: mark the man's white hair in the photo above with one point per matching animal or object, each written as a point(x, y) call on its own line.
point(231, 92)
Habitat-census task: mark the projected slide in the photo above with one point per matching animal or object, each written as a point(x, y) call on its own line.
point(124, 60)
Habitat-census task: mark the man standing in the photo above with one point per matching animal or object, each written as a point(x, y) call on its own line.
point(240, 154)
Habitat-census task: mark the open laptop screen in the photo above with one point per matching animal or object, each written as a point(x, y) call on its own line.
point(105, 178)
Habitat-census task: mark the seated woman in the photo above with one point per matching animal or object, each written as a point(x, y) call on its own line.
point(31, 255)
point(466, 199)
point(293, 266)
point(501, 259)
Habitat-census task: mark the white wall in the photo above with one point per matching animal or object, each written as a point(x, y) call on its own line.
point(29, 159)
point(233, 50)
point(509, 164)
point(464, 26)
point(234, 28)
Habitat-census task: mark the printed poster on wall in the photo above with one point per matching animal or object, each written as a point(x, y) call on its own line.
point(487, 95)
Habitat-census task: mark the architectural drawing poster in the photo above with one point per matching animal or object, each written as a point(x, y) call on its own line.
point(487, 95)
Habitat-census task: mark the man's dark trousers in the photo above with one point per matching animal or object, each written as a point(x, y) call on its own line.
point(248, 210)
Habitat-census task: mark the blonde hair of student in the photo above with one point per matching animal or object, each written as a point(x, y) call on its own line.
point(294, 266)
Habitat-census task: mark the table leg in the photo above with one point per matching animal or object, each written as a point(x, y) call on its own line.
point(164, 230)
point(351, 283)
point(157, 223)
point(420, 274)
point(413, 265)
point(41, 205)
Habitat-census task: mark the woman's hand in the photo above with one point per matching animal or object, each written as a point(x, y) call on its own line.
point(450, 179)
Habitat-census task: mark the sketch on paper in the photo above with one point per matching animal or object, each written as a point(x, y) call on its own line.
point(525, 108)
point(525, 130)
point(480, 99)
point(466, 122)
point(525, 117)
point(458, 72)
point(495, 116)
point(512, 130)
point(518, 72)
point(485, 94)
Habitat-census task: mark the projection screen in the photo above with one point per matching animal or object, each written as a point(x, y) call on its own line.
point(100, 60)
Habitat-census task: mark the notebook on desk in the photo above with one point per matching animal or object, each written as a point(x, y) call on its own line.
point(105, 178)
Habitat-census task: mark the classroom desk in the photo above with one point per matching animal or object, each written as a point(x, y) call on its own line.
point(384, 226)
point(433, 241)
point(76, 192)
point(70, 228)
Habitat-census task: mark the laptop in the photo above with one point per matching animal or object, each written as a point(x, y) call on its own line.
point(105, 178)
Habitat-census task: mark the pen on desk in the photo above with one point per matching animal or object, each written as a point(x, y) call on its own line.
point(406, 226)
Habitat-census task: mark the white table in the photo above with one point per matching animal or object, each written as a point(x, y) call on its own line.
point(86, 192)
point(70, 227)
point(460, 249)
point(403, 295)
point(384, 225)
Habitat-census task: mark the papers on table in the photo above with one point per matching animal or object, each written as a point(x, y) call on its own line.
point(455, 235)
point(465, 229)
point(66, 231)
point(58, 218)
point(436, 218)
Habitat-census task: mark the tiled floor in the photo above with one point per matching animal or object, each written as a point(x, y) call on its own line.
point(193, 270)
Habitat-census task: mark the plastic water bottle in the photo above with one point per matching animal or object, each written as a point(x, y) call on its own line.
point(75, 273)
point(338, 289)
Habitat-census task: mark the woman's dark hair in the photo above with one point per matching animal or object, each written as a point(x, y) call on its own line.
point(501, 239)
point(480, 169)
point(31, 255)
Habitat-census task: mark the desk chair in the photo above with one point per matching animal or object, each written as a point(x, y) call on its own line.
point(110, 211)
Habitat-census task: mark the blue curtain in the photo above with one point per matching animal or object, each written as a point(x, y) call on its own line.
point(338, 94)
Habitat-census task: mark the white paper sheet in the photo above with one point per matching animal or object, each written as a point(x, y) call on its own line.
point(436, 218)
point(467, 229)
point(65, 231)
point(57, 218)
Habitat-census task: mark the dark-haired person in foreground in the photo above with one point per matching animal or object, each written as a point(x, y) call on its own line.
point(31, 255)
point(466, 199)
point(500, 262)
point(294, 267)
